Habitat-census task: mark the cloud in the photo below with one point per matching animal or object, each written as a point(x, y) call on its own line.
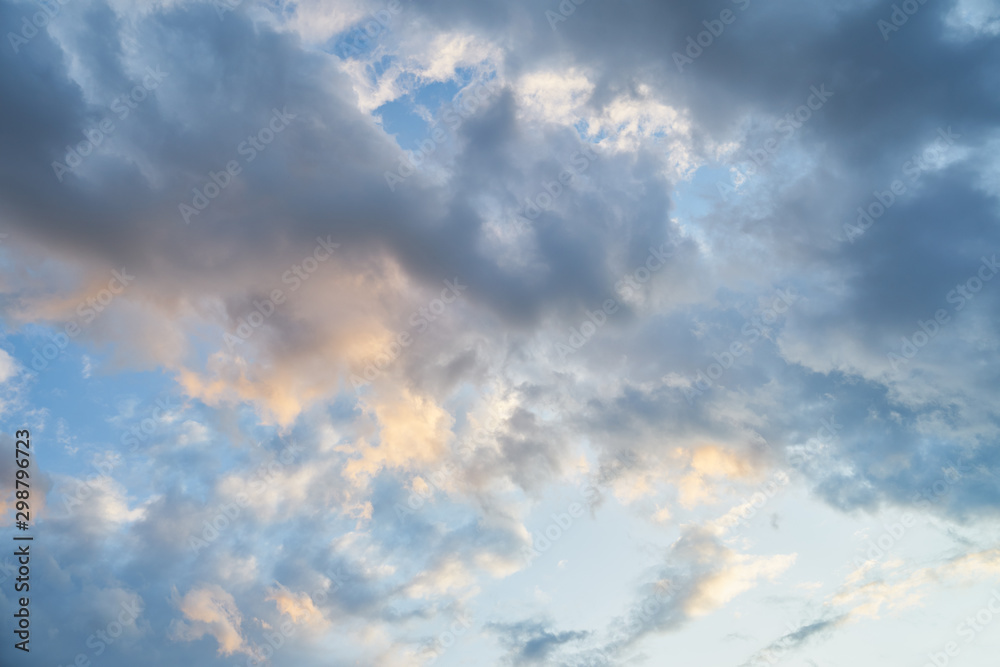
point(210, 610)
point(8, 366)
point(531, 642)
point(299, 607)
point(876, 588)
point(657, 143)
point(699, 575)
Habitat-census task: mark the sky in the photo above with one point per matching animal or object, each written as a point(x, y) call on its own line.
point(558, 332)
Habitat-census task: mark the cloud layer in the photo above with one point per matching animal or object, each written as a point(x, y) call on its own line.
point(330, 313)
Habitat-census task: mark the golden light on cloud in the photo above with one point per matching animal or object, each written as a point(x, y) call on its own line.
point(711, 466)
point(298, 606)
point(572, 320)
point(740, 573)
point(210, 610)
point(413, 431)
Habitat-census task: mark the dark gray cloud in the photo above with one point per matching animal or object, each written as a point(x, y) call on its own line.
point(921, 435)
